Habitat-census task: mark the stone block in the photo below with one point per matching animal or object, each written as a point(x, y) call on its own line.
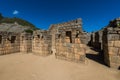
point(77, 40)
point(117, 43)
point(70, 55)
point(110, 43)
point(67, 40)
point(77, 56)
point(82, 58)
point(118, 53)
point(81, 53)
point(114, 59)
point(113, 50)
point(111, 37)
point(114, 65)
point(117, 37)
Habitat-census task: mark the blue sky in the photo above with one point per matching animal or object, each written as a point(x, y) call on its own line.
point(95, 14)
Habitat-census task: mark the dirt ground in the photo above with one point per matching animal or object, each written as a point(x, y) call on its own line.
point(20, 66)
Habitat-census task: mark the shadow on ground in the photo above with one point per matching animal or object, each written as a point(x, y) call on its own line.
point(97, 57)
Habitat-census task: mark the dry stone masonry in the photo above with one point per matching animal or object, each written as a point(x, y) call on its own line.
point(65, 41)
point(108, 41)
point(9, 42)
point(111, 44)
point(68, 41)
point(41, 43)
point(25, 42)
point(96, 40)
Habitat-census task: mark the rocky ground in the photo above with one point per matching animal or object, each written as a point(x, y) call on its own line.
point(21, 66)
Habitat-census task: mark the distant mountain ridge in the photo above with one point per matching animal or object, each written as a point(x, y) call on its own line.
point(15, 25)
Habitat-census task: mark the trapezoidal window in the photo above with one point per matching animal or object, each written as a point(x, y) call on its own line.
point(22, 38)
point(0, 39)
point(59, 36)
point(76, 35)
point(42, 38)
point(13, 38)
point(38, 36)
point(68, 34)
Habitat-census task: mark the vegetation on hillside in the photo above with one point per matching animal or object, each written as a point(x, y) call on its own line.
point(1, 17)
point(19, 21)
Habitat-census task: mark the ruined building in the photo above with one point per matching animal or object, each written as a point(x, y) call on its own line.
point(25, 42)
point(111, 44)
point(96, 40)
point(62, 40)
point(41, 43)
point(108, 41)
point(66, 41)
point(9, 42)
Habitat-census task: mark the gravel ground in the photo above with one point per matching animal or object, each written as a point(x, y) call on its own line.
point(21, 66)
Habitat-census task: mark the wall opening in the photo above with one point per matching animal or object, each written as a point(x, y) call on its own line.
point(76, 35)
point(97, 36)
point(42, 38)
point(119, 68)
point(59, 36)
point(13, 38)
point(38, 36)
point(0, 39)
point(22, 39)
point(68, 34)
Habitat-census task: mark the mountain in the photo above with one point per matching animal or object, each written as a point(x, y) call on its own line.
point(15, 25)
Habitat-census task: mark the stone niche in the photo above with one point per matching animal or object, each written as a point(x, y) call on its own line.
point(68, 42)
point(111, 46)
point(41, 43)
point(26, 42)
point(9, 42)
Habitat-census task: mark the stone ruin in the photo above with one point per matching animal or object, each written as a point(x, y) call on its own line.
point(96, 40)
point(25, 42)
point(9, 42)
point(41, 43)
point(107, 40)
point(111, 44)
point(66, 41)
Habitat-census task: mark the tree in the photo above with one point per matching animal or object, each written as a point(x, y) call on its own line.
point(1, 17)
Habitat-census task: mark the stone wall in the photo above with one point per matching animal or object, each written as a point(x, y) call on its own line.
point(70, 51)
point(96, 40)
point(41, 43)
point(111, 45)
point(9, 42)
point(25, 42)
point(68, 40)
point(61, 39)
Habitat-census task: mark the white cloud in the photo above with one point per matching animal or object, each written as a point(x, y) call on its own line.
point(15, 12)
